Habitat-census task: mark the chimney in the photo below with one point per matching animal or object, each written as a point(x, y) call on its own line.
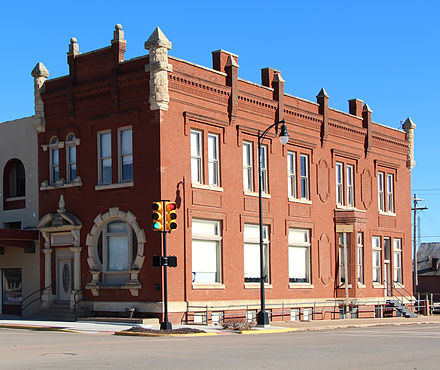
point(119, 43)
point(322, 99)
point(366, 116)
point(355, 107)
point(220, 59)
point(268, 75)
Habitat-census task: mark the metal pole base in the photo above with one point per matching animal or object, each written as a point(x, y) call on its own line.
point(263, 318)
point(166, 325)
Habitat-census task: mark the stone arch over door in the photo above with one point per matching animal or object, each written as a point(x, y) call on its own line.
point(94, 262)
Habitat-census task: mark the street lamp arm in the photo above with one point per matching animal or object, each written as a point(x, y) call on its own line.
point(261, 136)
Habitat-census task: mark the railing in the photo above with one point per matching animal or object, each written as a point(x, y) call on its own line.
point(23, 308)
point(75, 302)
point(393, 290)
point(334, 309)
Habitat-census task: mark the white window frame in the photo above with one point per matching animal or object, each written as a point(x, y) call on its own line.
point(381, 191)
point(377, 251)
point(196, 157)
point(264, 177)
point(305, 177)
point(344, 239)
point(217, 238)
point(213, 160)
point(71, 144)
point(360, 257)
point(350, 185)
point(390, 193)
point(254, 243)
point(248, 166)
point(122, 156)
point(291, 174)
point(397, 260)
point(101, 158)
point(54, 167)
point(305, 245)
point(339, 170)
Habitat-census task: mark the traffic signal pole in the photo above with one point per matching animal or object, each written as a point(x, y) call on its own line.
point(165, 325)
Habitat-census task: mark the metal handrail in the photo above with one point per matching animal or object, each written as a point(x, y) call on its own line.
point(75, 302)
point(30, 295)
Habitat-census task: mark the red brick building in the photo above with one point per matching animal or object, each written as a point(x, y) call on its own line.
point(119, 135)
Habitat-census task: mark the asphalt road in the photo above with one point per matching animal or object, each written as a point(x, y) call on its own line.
point(403, 347)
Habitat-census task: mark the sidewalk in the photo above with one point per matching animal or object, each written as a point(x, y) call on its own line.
point(91, 327)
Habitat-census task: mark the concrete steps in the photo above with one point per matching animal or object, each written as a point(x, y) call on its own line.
point(400, 307)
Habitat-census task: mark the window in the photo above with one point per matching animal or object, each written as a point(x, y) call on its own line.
point(344, 184)
point(350, 186)
point(213, 160)
point(105, 158)
point(16, 180)
point(125, 164)
point(54, 161)
point(299, 256)
point(344, 243)
point(381, 191)
point(263, 158)
point(390, 193)
point(206, 251)
point(248, 171)
point(360, 257)
point(71, 158)
point(117, 247)
point(397, 260)
point(339, 183)
point(305, 194)
point(196, 157)
point(291, 174)
point(252, 253)
point(377, 259)
point(294, 314)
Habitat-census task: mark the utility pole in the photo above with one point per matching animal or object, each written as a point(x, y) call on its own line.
point(415, 209)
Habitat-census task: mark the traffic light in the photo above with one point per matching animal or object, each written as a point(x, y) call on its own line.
point(170, 216)
point(157, 216)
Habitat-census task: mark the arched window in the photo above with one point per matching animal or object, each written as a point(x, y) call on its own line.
point(71, 158)
point(14, 184)
point(54, 161)
point(116, 250)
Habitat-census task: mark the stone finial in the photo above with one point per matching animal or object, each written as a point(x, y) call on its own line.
point(322, 94)
point(118, 34)
point(409, 127)
point(73, 47)
point(61, 205)
point(158, 66)
point(367, 108)
point(231, 62)
point(40, 74)
point(157, 39)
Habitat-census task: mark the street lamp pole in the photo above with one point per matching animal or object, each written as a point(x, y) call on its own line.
point(262, 316)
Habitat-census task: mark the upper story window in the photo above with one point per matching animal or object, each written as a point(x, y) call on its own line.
point(54, 160)
point(213, 160)
point(297, 190)
point(105, 158)
point(251, 237)
point(385, 192)
point(248, 170)
point(344, 184)
point(71, 158)
point(264, 178)
point(125, 164)
point(205, 158)
point(291, 174)
point(305, 180)
point(16, 179)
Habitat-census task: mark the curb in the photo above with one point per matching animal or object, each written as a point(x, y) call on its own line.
point(37, 327)
point(136, 334)
point(267, 331)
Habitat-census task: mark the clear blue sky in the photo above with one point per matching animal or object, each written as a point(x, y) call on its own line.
point(383, 52)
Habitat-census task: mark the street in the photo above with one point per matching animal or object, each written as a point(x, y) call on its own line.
point(403, 347)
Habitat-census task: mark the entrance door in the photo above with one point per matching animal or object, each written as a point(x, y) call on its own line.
point(387, 279)
point(64, 279)
point(11, 291)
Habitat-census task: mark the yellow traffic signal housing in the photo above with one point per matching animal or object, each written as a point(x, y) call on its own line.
point(170, 216)
point(157, 216)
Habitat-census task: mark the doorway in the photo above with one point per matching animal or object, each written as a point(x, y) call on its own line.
point(11, 291)
point(387, 267)
point(64, 279)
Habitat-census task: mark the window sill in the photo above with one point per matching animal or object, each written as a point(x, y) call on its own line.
point(61, 184)
point(257, 286)
point(342, 286)
point(115, 186)
point(300, 286)
point(299, 200)
point(378, 286)
point(254, 194)
point(207, 187)
point(13, 199)
point(348, 208)
point(361, 286)
point(208, 286)
point(387, 213)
